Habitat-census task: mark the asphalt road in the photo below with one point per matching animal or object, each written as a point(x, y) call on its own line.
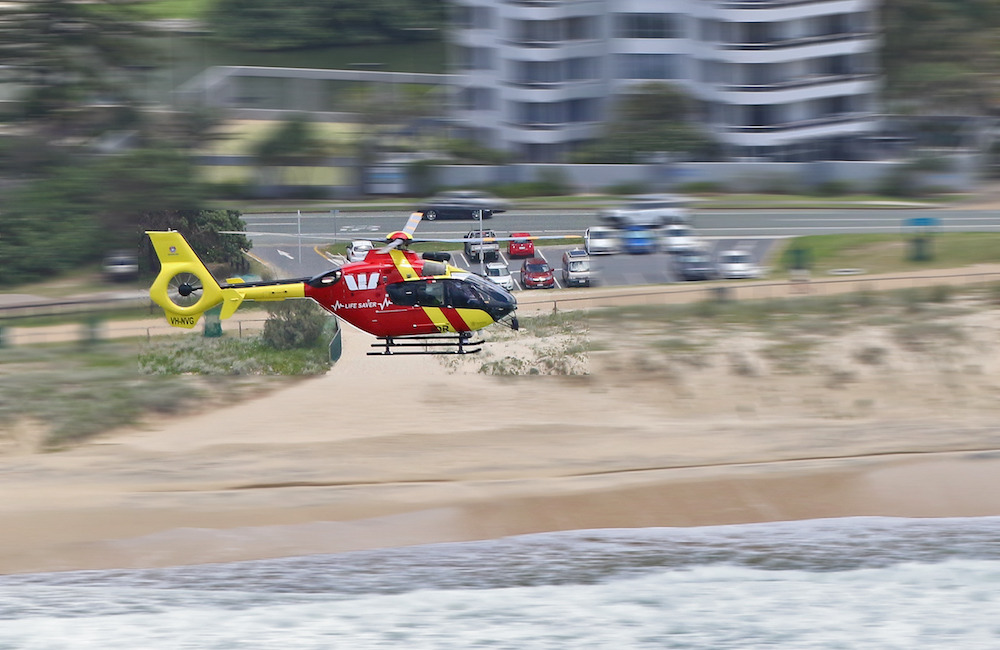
point(293, 254)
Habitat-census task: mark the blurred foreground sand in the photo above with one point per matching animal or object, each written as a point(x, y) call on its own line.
point(407, 450)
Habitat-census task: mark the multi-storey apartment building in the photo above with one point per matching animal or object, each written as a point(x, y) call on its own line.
point(774, 79)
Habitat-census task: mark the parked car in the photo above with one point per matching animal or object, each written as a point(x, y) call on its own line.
point(537, 274)
point(521, 247)
point(638, 240)
point(357, 250)
point(462, 204)
point(678, 237)
point(694, 264)
point(485, 249)
point(498, 273)
point(121, 265)
point(600, 240)
point(576, 268)
point(737, 264)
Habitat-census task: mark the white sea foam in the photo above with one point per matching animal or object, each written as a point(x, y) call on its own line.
point(804, 586)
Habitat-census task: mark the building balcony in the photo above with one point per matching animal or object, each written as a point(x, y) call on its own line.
point(779, 44)
point(801, 82)
point(811, 123)
point(764, 4)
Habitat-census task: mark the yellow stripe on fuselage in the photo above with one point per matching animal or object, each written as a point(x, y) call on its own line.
point(403, 265)
point(475, 318)
point(439, 319)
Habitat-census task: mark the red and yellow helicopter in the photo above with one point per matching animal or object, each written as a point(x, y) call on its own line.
point(404, 299)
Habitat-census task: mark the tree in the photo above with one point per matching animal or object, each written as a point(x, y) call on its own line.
point(655, 117)
point(86, 208)
point(942, 56)
point(202, 229)
point(69, 56)
point(267, 25)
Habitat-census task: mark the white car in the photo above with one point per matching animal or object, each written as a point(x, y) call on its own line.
point(498, 273)
point(678, 237)
point(358, 250)
point(736, 264)
point(600, 240)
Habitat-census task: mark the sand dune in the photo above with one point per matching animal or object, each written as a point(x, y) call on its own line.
point(406, 450)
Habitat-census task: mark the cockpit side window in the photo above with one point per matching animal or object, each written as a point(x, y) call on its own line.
point(423, 293)
point(462, 295)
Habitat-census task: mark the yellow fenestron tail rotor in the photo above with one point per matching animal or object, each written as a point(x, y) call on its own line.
point(185, 288)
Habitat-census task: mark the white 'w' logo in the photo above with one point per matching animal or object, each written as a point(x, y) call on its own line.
point(361, 281)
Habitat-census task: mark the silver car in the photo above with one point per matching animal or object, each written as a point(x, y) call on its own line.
point(498, 273)
point(358, 250)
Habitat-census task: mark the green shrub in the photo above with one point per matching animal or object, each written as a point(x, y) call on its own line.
point(294, 324)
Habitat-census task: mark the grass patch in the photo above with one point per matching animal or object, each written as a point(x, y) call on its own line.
point(75, 392)
point(927, 336)
point(791, 357)
point(890, 253)
point(190, 355)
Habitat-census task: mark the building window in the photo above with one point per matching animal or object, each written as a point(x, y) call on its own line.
point(582, 28)
point(647, 26)
point(539, 72)
point(538, 31)
point(582, 69)
point(647, 66)
point(475, 58)
point(543, 113)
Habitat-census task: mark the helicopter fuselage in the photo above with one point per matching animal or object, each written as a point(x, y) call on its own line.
point(398, 293)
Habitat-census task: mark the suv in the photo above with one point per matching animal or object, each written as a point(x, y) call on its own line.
point(486, 248)
point(694, 264)
point(462, 204)
point(576, 268)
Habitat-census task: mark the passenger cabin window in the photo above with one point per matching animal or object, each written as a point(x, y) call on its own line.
point(435, 293)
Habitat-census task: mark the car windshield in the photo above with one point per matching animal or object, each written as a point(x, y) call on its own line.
point(497, 272)
point(537, 268)
point(736, 258)
point(579, 265)
point(677, 232)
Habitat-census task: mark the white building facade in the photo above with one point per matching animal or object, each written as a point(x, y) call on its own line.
point(774, 79)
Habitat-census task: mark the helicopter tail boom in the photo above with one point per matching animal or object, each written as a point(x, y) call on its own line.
point(186, 289)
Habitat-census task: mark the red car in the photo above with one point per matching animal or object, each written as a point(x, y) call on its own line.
point(521, 247)
point(537, 274)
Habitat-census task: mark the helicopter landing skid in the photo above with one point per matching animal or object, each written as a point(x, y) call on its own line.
point(431, 344)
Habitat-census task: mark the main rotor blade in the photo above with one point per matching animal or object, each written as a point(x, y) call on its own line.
point(413, 222)
point(324, 237)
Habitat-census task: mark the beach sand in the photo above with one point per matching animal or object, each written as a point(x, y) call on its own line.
point(383, 452)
